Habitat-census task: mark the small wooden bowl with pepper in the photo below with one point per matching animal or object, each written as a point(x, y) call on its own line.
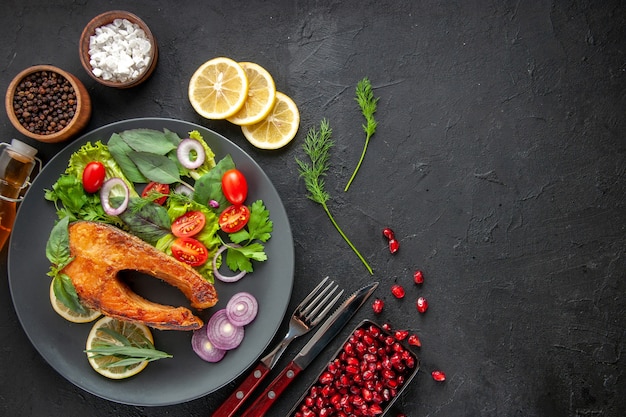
point(48, 104)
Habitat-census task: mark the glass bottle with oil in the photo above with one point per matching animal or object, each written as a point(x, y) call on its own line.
point(17, 161)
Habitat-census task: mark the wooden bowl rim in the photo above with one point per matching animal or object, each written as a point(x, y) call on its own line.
point(83, 103)
point(104, 19)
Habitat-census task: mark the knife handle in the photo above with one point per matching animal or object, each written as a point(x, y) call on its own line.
point(239, 396)
point(263, 403)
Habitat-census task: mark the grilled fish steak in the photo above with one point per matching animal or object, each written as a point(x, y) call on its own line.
point(101, 251)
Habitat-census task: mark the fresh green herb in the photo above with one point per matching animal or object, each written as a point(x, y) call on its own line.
point(317, 145)
point(155, 167)
point(367, 103)
point(259, 227)
point(146, 220)
point(129, 353)
point(209, 186)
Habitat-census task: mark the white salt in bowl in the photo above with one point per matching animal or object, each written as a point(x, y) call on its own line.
point(117, 49)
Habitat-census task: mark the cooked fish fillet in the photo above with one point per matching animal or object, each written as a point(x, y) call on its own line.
point(101, 251)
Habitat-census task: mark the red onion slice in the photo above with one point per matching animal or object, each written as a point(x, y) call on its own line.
point(242, 308)
point(217, 273)
point(105, 193)
point(222, 333)
point(203, 347)
point(183, 152)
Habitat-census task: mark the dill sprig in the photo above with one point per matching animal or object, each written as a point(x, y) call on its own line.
point(367, 103)
point(317, 146)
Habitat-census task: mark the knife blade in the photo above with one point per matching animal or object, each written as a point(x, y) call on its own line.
point(327, 332)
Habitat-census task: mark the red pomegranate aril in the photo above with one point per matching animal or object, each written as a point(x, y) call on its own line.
point(438, 376)
point(388, 233)
point(397, 290)
point(418, 277)
point(378, 305)
point(422, 304)
point(394, 245)
point(375, 410)
point(401, 334)
point(326, 378)
point(386, 327)
point(414, 340)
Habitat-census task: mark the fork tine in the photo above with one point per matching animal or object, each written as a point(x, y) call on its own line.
point(307, 309)
point(330, 305)
point(308, 298)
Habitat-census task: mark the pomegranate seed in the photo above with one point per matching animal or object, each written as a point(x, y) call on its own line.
point(438, 376)
point(401, 334)
point(397, 290)
point(388, 233)
point(378, 305)
point(422, 304)
point(414, 340)
point(418, 277)
point(387, 327)
point(394, 245)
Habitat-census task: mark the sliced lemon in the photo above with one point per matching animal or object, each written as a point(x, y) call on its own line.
point(261, 95)
point(278, 128)
point(218, 88)
point(134, 332)
point(69, 314)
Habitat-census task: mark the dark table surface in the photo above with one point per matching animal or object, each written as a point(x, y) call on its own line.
point(499, 161)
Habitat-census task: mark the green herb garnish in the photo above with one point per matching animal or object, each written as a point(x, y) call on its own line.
point(317, 146)
point(129, 353)
point(367, 103)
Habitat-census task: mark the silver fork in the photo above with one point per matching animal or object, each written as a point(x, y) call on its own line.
point(307, 315)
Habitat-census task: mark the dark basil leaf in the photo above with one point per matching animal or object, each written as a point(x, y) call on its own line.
point(146, 220)
point(66, 293)
point(148, 140)
point(209, 186)
point(156, 168)
point(120, 150)
point(172, 137)
point(58, 245)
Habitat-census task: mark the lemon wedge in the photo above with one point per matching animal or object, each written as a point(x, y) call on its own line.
point(68, 314)
point(278, 128)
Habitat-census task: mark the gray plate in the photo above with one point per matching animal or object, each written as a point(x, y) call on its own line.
point(184, 377)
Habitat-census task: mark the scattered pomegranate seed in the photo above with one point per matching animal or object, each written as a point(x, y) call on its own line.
point(397, 290)
point(414, 340)
point(378, 305)
point(418, 277)
point(422, 304)
point(388, 233)
point(401, 334)
point(386, 327)
point(394, 245)
point(439, 376)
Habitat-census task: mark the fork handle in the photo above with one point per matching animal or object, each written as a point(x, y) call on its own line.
point(239, 396)
point(262, 404)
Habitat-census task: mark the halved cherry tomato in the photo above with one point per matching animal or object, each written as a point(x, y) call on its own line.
point(234, 218)
point(93, 176)
point(158, 188)
point(189, 224)
point(190, 251)
point(234, 187)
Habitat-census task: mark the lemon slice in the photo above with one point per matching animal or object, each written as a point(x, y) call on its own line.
point(218, 88)
point(69, 314)
point(278, 128)
point(261, 95)
point(134, 332)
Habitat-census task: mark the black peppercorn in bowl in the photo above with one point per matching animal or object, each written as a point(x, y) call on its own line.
point(48, 104)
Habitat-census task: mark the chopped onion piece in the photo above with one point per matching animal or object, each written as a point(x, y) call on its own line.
point(203, 347)
point(184, 150)
point(242, 308)
point(222, 333)
point(184, 190)
point(217, 273)
point(105, 193)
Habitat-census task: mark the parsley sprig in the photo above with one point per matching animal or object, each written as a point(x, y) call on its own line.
point(317, 145)
point(367, 103)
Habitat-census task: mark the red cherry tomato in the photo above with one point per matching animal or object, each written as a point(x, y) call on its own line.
point(189, 224)
point(190, 251)
point(234, 218)
point(158, 188)
point(234, 187)
point(93, 176)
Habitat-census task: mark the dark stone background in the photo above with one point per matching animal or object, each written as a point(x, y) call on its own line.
point(499, 161)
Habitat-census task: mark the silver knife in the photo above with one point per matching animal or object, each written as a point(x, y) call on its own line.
point(327, 332)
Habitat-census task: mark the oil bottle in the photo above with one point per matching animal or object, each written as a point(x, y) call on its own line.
point(17, 161)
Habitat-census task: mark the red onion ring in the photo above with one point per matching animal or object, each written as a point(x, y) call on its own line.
point(217, 273)
point(242, 308)
point(105, 191)
point(203, 347)
point(222, 333)
point(183, 152)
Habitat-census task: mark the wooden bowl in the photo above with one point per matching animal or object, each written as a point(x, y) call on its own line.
point(78, 121)
point(103, 20)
